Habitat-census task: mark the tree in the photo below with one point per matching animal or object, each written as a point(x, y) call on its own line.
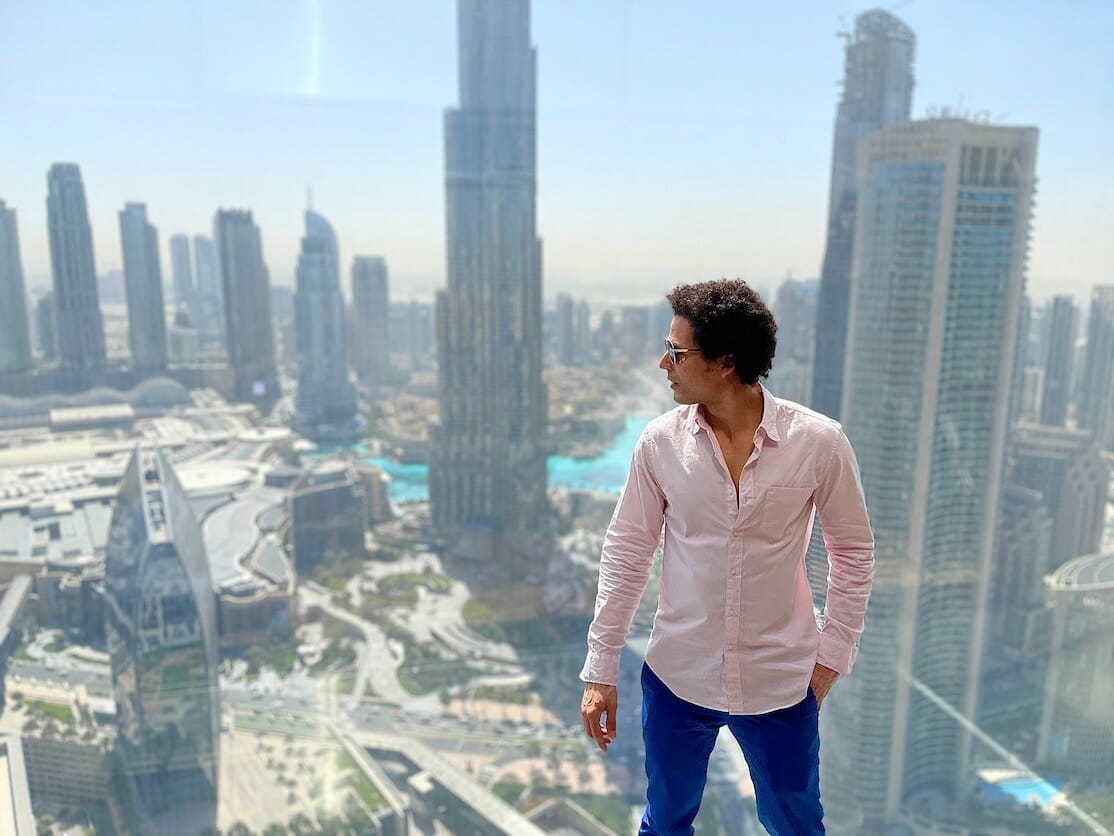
point(301, 825)
point(240, 829)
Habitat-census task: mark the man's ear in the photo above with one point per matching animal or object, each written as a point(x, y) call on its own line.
point(727, 364)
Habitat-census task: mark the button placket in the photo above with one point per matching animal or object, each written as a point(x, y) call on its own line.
point(731, 624)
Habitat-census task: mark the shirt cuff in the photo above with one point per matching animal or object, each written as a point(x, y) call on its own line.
point(601, 668)
point(836, 654)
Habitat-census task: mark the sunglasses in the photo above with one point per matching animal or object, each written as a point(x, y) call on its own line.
point(675, 353)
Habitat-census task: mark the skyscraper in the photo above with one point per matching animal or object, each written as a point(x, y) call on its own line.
point(161, 627)
point(583, 330)
point(1096, 390)
point(488, 468)
point(1066, 468)
point(210, 295)
point(1060, 346)
point(77, 315)
point(1020, 563)
point(634, 329)
point(371, 317)
point(877, 91)
point(942, 232)
point(143, 285)
point(565, 343)
point(421, 337)
point(44, 318)
point(181, 267)
point(15, 335)
point(247, 308)
point(325, 403)
point(1024, 379)
point(795, 311)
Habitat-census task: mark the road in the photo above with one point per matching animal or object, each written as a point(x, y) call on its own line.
point(376, 663)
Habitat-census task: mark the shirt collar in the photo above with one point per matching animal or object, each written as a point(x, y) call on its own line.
point(695, 421)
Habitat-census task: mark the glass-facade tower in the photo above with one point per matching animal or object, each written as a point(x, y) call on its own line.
point(79, 325)
point(371, 319)
point(1096, 389)
point(248, 329)
point(143, 283)
point(488, 468)
point(161, 627)
point(938, 277)
point(15, 334)
point(877, 91)
point(325, 401)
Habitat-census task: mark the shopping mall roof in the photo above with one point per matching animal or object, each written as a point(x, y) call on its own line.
point(1092, 573)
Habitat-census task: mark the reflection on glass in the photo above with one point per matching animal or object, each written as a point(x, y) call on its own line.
point(371, 511)
point(162, 640)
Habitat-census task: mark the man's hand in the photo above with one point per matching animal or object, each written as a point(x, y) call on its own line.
point(600, 701)
point(823, 678)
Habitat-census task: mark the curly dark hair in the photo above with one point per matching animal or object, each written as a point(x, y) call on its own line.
point(729, 321)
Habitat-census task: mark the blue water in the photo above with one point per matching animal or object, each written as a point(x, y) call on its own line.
point(1022, 790)
point(1026, 790)
point(606, 472)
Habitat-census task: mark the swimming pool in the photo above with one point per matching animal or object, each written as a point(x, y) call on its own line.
point(1026, 791)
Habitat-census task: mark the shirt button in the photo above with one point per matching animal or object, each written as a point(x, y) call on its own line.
point(734, 571)
point(731, 647)
point(730, 612)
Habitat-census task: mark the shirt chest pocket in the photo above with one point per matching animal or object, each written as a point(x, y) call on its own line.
point(783, 510)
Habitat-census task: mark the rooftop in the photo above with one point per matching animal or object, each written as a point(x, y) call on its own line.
point(1092, 573)
point(57, 491)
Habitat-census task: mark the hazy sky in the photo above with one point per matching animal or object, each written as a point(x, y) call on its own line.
point(677, 141)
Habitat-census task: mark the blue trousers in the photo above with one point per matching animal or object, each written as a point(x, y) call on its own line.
point(782, 750)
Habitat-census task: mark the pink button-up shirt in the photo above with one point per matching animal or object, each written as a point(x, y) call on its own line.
point(735, 628)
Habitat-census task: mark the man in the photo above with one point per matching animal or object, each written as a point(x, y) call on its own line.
point(734, 475)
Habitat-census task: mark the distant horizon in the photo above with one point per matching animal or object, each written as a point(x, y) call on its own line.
point(767, 290)
point(668, 150)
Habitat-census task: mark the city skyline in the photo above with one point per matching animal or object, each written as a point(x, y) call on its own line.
point(201, 113)
point(312, 554)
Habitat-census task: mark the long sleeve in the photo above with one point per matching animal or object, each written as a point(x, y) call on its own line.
point(628, 553)
point(850, 544)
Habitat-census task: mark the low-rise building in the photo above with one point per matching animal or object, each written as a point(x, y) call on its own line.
point(328, 515)
point(1077, 726)
point(377, 493)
